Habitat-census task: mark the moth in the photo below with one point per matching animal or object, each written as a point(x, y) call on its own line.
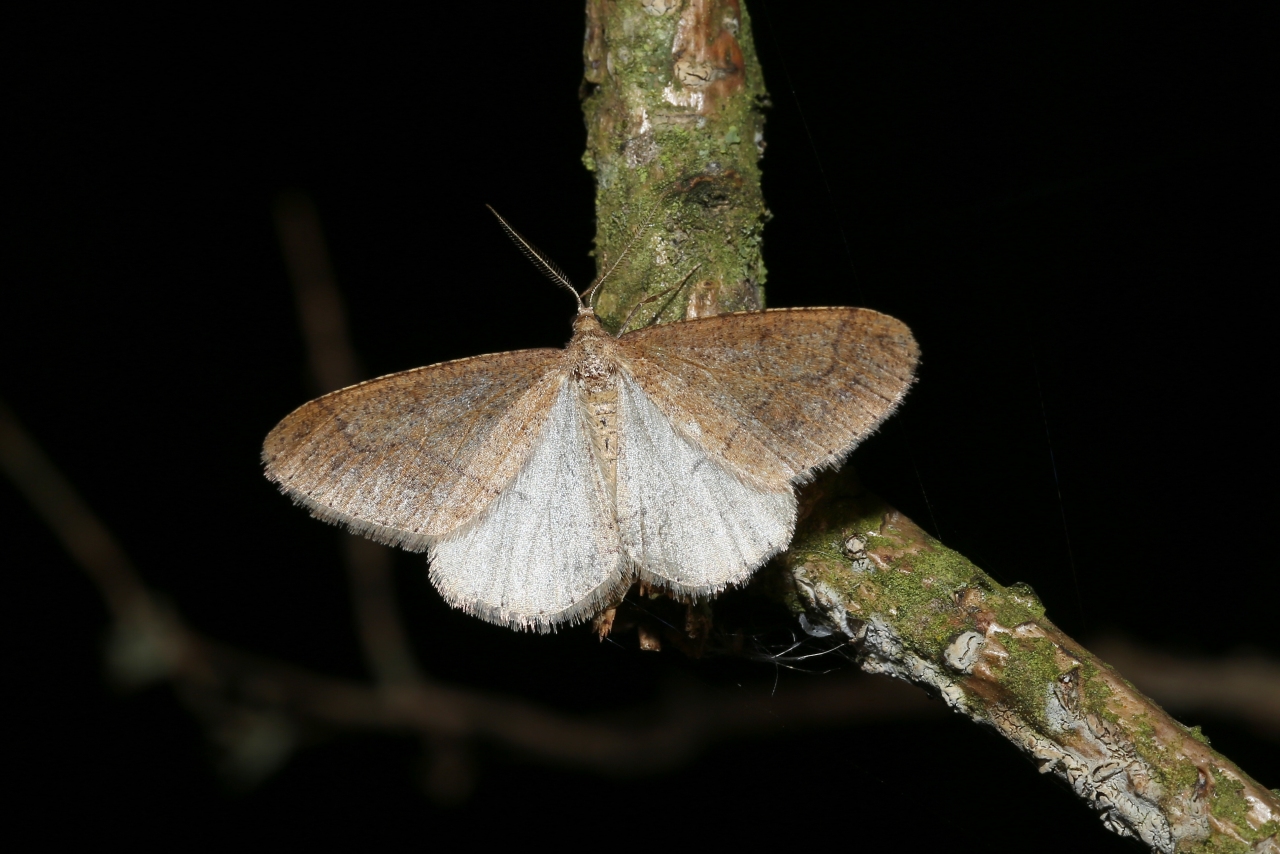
point(543, 483)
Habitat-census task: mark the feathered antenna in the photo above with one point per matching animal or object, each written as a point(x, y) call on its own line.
point(549, 268)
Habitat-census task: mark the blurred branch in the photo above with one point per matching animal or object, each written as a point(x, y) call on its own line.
point(333, 364)
point(322, 316)
point(1244, 686)
point(77, 528)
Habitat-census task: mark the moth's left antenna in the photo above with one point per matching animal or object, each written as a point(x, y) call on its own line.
point(549, 268)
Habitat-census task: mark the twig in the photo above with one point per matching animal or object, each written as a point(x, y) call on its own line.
point(920, 612)
point(77, 528)
point(333, 364)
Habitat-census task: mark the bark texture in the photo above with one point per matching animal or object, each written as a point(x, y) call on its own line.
point(673, 98)
point(921, 612)
point(675, 127)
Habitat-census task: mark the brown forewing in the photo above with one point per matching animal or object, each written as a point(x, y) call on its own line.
point(411, 456)
point(805, 385)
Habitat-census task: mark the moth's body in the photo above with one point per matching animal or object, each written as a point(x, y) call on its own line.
point(592, 358)
point(544, 482)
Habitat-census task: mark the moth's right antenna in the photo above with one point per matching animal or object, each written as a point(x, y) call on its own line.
point(549, 268)
point(590, 292)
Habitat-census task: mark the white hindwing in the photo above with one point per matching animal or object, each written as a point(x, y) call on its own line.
point(688, 524)
point(546, 552)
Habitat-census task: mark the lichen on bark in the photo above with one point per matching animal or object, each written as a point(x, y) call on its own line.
point(674, 108)
point(919, 611)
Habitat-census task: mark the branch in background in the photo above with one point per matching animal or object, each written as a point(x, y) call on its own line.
point(673, 110)
point(1244, 686)
point(332, 359)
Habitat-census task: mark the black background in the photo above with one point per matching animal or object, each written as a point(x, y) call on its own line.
point(1065, 204)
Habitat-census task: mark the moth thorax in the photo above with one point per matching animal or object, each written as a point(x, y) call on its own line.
point(595, 373)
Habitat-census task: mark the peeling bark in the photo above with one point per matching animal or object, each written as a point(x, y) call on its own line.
point(673, 101)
